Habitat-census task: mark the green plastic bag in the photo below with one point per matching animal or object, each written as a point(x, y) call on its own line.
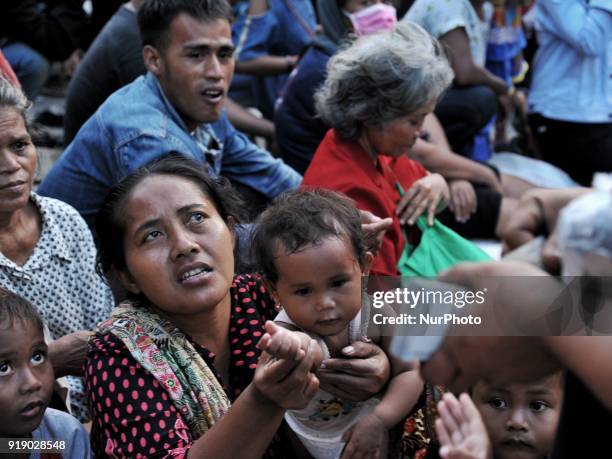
point(440, 248)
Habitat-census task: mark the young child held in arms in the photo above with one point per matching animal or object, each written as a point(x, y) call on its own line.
point(311, 252)
point(514, 421)
point(26, 386)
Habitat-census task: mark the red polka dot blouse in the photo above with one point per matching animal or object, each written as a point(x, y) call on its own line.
point(133, 415)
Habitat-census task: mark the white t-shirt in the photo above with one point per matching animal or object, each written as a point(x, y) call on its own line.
point(322, 422)
point(439, 17)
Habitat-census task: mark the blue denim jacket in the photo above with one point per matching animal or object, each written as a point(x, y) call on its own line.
point(572, 70)
point(137, 125)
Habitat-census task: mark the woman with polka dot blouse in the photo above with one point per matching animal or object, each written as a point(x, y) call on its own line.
point(176, 369)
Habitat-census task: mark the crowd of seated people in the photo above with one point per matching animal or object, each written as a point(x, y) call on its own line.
point(174, 287)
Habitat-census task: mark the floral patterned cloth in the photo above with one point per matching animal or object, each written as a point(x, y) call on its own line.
point(164, 351)
point(418, 438)
point(134, 411)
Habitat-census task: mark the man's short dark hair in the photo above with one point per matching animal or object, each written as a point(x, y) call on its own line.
point(155, 16)
point(15, 309)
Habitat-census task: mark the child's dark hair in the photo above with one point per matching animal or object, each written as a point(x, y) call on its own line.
point(14, 308)
point(156, 16)
point(110, 222)
point(297, 219)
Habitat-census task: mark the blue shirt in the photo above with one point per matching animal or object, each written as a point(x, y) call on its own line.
point(136, 125)
point(285, 29)
point(572, 76)
point(57, 426)
point(299, 130)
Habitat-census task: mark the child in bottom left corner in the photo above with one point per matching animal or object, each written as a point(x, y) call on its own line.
point(26, 387)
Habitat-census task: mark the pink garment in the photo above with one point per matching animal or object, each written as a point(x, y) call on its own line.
point(375, 18)
point(7, 71)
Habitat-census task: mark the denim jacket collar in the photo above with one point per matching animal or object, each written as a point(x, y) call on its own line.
point(204, 135)
point(153, 83)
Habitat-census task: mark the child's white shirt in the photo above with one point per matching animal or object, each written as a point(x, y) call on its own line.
point(321, 424)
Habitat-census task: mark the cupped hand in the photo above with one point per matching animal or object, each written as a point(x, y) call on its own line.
point(280, 342)
point(361, 375)
point(289, 383)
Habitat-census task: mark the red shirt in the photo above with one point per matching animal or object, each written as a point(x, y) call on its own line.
point(7, 71)
point(343, 165)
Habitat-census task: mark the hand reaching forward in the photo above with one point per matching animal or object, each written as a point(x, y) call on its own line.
point(288, 382)
point(374, 229)
point(281, 343)
point(460, 429)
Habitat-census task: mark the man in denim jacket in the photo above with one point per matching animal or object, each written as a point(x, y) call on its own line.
point(176, 107)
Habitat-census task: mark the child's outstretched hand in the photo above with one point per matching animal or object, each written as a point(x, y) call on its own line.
point(280, 343)
point(286, 344)
point(460, 429)
point(369, 438)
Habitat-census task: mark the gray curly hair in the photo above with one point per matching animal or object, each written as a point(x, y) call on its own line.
point(12, 97)
point(382, 77)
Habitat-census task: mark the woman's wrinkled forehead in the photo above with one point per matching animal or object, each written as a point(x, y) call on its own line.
point(12, 118)
point(163, 193)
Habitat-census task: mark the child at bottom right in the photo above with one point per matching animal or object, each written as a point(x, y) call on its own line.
point(511, 421)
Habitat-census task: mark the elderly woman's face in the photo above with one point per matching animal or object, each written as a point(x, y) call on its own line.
point(397, 137)
point(178, 249)
point(17, 161)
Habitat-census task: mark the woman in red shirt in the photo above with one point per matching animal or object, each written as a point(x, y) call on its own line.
point(376, 96)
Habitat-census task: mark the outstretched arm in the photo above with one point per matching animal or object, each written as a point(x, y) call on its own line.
point(461, 431)
point(435, 155)
point(282, 343)
point(68, 353)
point(256, 415)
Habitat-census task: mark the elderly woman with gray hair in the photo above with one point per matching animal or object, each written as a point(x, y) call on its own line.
point(47, 254)
point(376, 96)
